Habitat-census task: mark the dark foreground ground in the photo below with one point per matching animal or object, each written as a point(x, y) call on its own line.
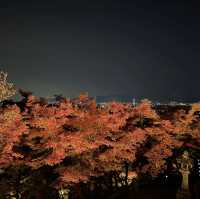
point(162, 189)
point(152, 192)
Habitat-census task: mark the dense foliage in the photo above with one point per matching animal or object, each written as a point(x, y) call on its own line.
point(6, 89)
point(77, 140)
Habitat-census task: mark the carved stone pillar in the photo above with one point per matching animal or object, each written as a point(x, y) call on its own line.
point(184, 192)
point(184, 164)
point(185, 180)
point(63, 193)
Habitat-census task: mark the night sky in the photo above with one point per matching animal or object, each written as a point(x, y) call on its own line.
point(147, 49)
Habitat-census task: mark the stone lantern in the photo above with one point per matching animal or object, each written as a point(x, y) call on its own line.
point(64, 193)
point(185, 164)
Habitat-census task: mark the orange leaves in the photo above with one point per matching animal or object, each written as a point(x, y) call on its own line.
point(83, 96)
point(56, 156)
point(145, 109)
point(10, 114)
point(73, 175)
point(156, 157)
point(167, 125)
point(101, 140)
point(114, 116)
point(11, 128)
point(44, 123)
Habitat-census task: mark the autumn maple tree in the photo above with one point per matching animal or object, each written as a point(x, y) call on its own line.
point(77, 140)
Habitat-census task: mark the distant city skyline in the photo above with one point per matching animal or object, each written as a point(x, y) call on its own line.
point(110, 98)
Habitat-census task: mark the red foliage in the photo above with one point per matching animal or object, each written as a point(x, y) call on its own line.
point(11, 128)
point(80, 140)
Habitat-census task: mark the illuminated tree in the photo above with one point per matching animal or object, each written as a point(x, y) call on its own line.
point(80, 142)
point(6, 89)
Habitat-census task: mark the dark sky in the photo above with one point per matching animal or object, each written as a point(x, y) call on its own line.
point(142, 48)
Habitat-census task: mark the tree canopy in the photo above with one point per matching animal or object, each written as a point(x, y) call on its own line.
point(81, 140)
